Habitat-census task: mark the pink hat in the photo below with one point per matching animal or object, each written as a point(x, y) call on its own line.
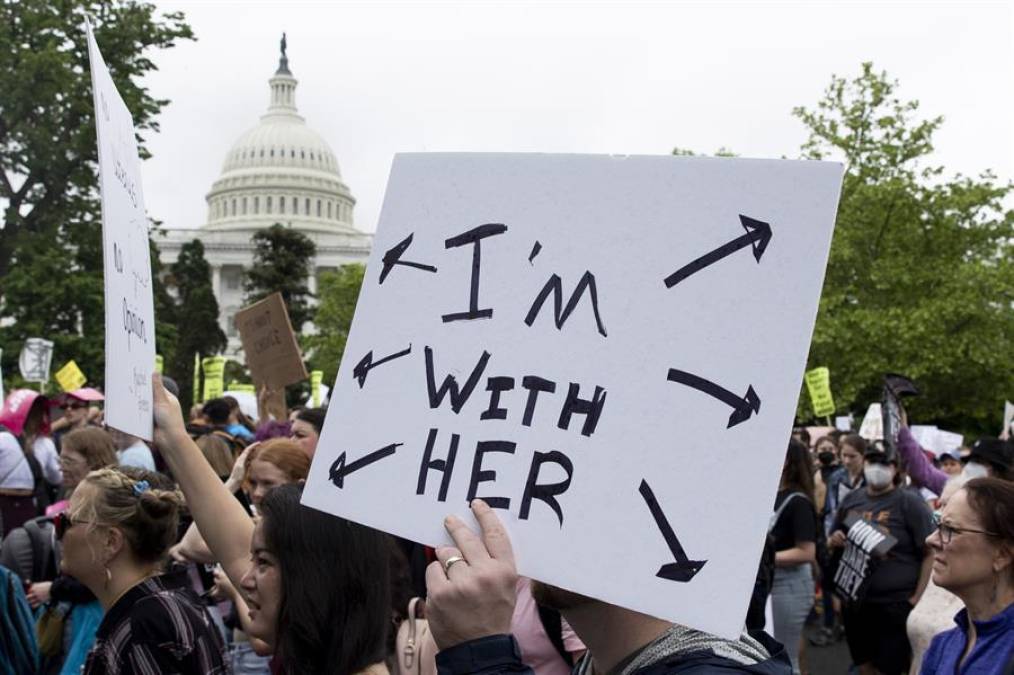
point(16, 408)
point(82, 394)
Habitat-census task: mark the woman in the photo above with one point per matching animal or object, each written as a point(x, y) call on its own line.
point(218, 453)
point(115, 535)
point(306, 429)
point(274, 463)
point(17, 484)
point(36, 437)
point(973, 557)
point(894, 579)
point(317, 585)
point(794, 529)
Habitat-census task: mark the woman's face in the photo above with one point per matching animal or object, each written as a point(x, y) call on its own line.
point(75, 411)
point(74, 466)
point(262, 588)
point(967, 560)
point(264, 476)
point(851, 459)
point(83, 542)
point(305, 436)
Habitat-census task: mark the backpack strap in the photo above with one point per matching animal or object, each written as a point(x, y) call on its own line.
point(552, 623)
point(778, 512)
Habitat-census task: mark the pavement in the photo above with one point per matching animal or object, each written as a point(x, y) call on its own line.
point(831, 660)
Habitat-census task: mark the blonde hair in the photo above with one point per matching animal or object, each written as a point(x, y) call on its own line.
point(147, 515)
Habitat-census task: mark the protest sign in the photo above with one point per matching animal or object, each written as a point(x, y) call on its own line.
point(1008, 417)
point(214, 376)
point(245, 388)
point(585, 342)
point(864, 543)
point(70, 377)
point(315, 377)
point(35, 358)
point(872, 428)
point(272, 353)
point(130, 314)
point(818, 383)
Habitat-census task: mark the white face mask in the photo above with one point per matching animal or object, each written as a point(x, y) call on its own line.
point(878, 476)
point(975, 470)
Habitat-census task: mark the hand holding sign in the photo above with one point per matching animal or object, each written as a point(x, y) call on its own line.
point(471, 586)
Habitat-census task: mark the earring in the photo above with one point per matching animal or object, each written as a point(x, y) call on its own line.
point(109, 577)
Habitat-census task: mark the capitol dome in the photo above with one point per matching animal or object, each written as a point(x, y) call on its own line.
point(281, 171)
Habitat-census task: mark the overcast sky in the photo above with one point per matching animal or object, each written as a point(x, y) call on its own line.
point(379, 78)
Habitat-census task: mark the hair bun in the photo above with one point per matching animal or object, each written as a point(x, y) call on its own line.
point(159, 503)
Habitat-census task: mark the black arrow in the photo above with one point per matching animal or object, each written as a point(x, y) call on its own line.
point(758, 235)
point(366, 364)
point(393, 257)
point(742, 407)
point(340, 469)
point(683, 569)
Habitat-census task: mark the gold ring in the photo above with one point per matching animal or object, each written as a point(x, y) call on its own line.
point(451, 561)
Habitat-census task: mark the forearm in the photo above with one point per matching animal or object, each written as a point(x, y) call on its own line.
point(797, 555)
point(923, 473)
point(193, 547)
point(224, 525)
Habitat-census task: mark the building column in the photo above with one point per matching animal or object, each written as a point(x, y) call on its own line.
point(216, 282)
point(313, 281)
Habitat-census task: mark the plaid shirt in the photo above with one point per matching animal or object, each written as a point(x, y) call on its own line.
point(158, 626)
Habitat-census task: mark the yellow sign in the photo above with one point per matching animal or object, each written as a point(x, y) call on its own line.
point(315, 378)
point(818, 383)
point(214, 376)
point(159, 364)
point(70, 377)
point(239, 386)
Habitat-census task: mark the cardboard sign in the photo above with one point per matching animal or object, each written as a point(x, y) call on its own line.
point(34, 360)
point(588, 344)
point(864, 543)
point(818, 383)
point(130, 313)
point(272, 353)
point(70, 377)
point(214, 376)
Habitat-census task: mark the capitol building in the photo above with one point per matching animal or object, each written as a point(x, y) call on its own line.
point(280, 171)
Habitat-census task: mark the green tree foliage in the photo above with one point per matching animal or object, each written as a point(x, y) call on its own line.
point(50, 241)
point(283, 259)
point(337, 296)
point(199, 332)
point(920, 279)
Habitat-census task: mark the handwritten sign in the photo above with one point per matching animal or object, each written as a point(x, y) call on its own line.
point(35, 358)
point(214, 376)
point(70, 377)
point(818, 383)
point(588, 343)
point(272, 353)
point(130, 314)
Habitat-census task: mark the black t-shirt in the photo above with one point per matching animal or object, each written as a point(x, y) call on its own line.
point(905, 516)
point(797, 522)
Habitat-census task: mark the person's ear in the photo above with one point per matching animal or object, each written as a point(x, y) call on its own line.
point(1003, 558)
point(114, 543)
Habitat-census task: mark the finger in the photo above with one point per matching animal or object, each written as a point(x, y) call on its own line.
point(494, 535)
point(436, 577)
point(445, 553)
point(473, 550)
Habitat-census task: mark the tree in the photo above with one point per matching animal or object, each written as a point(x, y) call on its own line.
point(199, 332)
point(920, 278)
point(337, 294)
point(50, 240)
point(283, 260)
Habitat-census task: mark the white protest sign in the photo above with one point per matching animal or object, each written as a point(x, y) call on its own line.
point(1008, 417)
point(35, 358)
point(130, 315)
point(607, 349)
point(872, 428)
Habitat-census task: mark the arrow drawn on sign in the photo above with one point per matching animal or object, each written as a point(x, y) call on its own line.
point(366, 364)
point(742, 407)
point(758, 235)
point(340, 469)
point(683, 569)
point(393, 257)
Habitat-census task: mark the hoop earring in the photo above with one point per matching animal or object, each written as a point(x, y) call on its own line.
point(109, 577)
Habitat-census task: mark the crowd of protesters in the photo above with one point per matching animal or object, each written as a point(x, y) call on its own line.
point(193, 554)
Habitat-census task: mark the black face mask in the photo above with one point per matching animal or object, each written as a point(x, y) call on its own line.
point(826, 458)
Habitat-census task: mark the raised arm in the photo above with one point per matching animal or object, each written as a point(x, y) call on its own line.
point(226, 527)
point(923, 473)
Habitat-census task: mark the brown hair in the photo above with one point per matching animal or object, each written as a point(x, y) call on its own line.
point(291, 459)
point(218, 453)
point(797, 472)
point(857, 442)
point(992, 499)
point(147, 516)
point(92, 443)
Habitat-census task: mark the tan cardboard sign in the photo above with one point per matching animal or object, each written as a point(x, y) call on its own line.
point(272, 353)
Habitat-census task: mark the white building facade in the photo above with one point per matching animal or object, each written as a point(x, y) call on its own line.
point(281, 171)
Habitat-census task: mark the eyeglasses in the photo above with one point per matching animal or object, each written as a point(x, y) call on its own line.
point(947, 532)
point(63, 522)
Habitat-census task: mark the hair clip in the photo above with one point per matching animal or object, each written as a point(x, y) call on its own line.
point(140, 486)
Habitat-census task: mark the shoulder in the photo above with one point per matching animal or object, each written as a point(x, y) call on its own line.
point(164, 616)
point(939, 646)
point(44, 445)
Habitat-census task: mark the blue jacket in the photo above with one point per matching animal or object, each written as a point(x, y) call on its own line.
point(499, 654)
point(993, 650)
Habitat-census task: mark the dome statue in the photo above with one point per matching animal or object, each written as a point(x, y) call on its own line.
point(280, 171)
